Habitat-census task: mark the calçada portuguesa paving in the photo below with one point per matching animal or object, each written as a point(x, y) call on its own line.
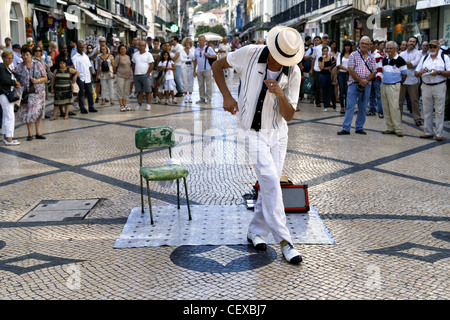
point(384, 200)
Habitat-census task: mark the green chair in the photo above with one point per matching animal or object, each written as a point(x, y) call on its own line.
point(153, 138)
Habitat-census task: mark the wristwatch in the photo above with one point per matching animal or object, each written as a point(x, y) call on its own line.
point(439, 73)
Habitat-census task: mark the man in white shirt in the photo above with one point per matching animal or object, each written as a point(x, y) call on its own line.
point(434, 68)
point(224, 49)
point(202, 69)
point(8, 45)
point(176, 49)
point(315, 69)
point(142, 68)
point(411, 85)
point(270, 85)
point(82, 64)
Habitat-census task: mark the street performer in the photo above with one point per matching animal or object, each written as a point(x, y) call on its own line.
point(270, 84)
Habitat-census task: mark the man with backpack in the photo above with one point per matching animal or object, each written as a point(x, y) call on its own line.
point(202, 69)
point(434, 69)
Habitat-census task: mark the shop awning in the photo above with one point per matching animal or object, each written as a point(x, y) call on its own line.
point(92, 16)
point(327, 17)
point(323, 18)
point(104, 13)
point(424, 4)
point(71, 17)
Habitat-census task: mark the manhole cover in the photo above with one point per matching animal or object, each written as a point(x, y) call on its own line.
point(60, 210)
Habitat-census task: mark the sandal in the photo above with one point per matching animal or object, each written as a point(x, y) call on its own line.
point(127, 108)
point(123, 108)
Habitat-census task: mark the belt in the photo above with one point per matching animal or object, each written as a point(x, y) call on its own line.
point(391, 84)
point(434, 84)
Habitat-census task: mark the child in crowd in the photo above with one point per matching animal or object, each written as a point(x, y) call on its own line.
point(167, 66)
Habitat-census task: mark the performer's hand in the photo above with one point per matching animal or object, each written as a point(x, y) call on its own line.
point(230, 105)
point(273, 87)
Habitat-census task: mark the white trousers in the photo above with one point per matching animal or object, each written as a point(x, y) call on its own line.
point(107, 83)
point(187, 77)
point(8, 116)
point(433, 96)
point(267, 151)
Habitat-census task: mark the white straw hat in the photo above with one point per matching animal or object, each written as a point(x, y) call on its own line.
point(285, 45)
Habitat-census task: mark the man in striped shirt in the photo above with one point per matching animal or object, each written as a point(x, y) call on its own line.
point(394, 74)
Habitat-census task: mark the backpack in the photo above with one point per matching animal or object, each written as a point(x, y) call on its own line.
point(307, 64)
point(104, 67)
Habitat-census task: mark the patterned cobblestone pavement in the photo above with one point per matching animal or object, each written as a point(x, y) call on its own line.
point(385, 201)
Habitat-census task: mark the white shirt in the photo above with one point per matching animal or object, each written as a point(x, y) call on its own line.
point(82, 63)
point(412, 56)
point(169, 64)
point(177, 49)
point(316, 55)
point(250, 62)
point(186, 59)
point(436, 64)
point(224, 47)
point(142, 62)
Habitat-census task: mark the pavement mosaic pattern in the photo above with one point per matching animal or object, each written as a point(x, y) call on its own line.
point(385, 201)
point(211, 225)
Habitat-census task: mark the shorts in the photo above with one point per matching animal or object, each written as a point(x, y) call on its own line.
point(142, 83)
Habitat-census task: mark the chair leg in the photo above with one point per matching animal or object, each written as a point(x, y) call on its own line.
point(149, 203)
point(178, 193)
point(187, 199)
point(142, 196)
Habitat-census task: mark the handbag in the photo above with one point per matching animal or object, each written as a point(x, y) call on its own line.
point(12, 96)
point(162, 79)
point(308, 86)
point(75, 88)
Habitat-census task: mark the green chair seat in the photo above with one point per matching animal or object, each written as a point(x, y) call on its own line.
point(154, 138)
point(164, 173)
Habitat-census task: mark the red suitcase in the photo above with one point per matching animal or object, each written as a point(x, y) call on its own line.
point(295, 197)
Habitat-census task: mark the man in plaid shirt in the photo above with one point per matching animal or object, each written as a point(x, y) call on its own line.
point(362, 69)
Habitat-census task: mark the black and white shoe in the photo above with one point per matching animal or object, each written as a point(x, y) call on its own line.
point(257, 241)
point(290, 254)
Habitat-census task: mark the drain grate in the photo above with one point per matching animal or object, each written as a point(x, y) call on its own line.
point(60, 210)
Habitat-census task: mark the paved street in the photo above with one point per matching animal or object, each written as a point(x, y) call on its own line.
point(384, 200)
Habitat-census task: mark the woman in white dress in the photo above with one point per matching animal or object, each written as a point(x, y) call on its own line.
point(187, 68)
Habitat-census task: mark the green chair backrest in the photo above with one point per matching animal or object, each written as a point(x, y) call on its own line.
point(154, 137)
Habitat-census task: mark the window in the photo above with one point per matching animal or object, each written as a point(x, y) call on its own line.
point(14, 24)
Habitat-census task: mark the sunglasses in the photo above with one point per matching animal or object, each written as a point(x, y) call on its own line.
point(432, 46)
point(38, 51)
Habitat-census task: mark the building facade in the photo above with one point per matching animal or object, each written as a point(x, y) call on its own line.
point(65, 20)
point(343, 19)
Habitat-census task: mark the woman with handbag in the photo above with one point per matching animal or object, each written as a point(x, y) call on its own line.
point(122, 67)
point(37, 52)
point(187, 69)
point(32, 77)
point(61, 87)
point(326, 63)
point(8, 95)
point(105, 73)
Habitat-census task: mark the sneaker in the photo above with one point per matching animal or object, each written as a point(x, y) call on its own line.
point(138, 107)
point(380, 115)
point(149, 107)
point(290, 254)
point(174, 101)
point(157, 100)
point(12, 143)
point(342, 132)
point(257, 241)
point(325, 109)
